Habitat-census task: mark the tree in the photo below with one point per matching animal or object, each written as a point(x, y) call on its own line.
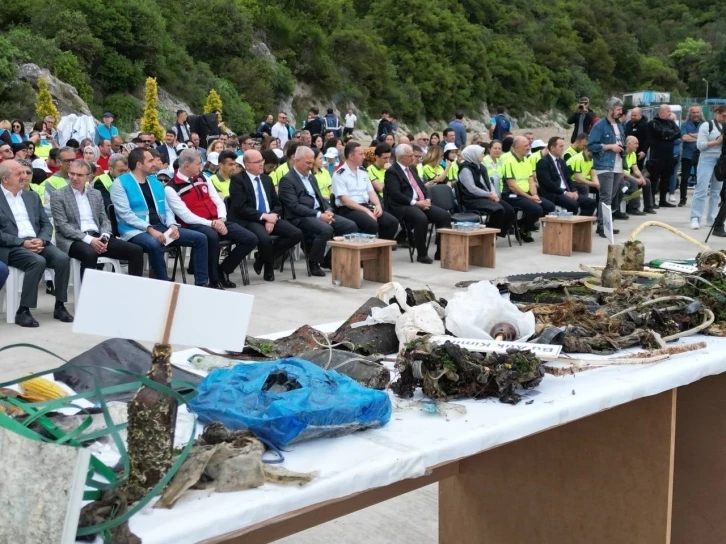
point(44, 102)
point(213, 103)
point(150, 121)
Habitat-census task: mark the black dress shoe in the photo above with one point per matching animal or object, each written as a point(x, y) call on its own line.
point(224, 280)
point(719, 231)
point(656, 207)
point(61, 313)
point(215, 285)
point(425, 259)
point(315, 270)
point(269, 276)
point(650, 210)
point(24, 319)
point(257, 265)
point(682, 203)
point(527, 238)
point(637, 212)
point(49, 288)
point(664, 204)
point(620, 215)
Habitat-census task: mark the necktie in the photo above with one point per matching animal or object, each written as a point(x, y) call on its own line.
point(559, 169)
point(415, 186)
point(261, 206)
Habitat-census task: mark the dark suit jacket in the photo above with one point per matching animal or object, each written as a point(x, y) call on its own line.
point(296, 202)
point(242, 200)
point(397, 191)
point(9, 229)
point(548, 178)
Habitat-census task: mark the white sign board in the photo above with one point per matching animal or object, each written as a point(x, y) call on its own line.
point(546, 352)
point(607, 222)
point(122, 306)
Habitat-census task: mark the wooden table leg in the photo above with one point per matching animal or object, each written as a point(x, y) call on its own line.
point(454, 252)
point(346, 266)
point(699, 489)
point(582, 237)
point(603, 479)
point(379, 267)
point(483, 250)
point(557, 239)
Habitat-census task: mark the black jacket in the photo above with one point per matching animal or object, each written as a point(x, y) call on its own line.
point(384, 127)
point(296, 202)
point(548, 178)
point(661, 135)
point(242, 199)
point(574, 119)
point(397, 191)
point(314, 126)
point(640, 131)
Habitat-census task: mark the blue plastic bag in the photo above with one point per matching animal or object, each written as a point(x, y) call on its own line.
point(323, 404)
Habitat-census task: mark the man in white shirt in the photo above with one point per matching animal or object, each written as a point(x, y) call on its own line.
point(197, 205)
point(82, 228)
point(279, 129)
point(25, 233)
point(350, 120)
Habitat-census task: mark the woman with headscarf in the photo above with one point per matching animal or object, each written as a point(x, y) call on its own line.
point(478, 194)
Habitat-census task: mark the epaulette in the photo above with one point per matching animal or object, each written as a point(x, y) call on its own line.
point(339, 170)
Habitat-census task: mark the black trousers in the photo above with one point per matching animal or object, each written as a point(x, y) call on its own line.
point(660, 170)
point(244, 242)
point(385, 227)
point(583, 204)
point(116, 249)
point(419, 219)
point(531, 210)
point(288, 236)
point(686, 165)
point(34, 265)
point(321, 232)
point(501, 214)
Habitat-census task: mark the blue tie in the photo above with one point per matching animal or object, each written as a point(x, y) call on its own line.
point(261, 207)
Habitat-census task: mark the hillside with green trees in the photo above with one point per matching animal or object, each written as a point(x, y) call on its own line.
point(422, 59)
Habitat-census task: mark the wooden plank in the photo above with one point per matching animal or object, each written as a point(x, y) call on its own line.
point(556, 238)
point(599, 480)
point(570, 219)
point(454, 251)
point(467, 233)
point(582, 237)
point(346, 266)
point(699, 491)
point(299, 520)
point(379, 242)
point(483, 250)
point(380, 268)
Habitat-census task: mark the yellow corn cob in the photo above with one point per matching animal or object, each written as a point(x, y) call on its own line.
point(42, 388)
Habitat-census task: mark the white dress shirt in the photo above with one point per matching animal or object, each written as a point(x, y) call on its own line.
point(257, 193)
point(279, 130)
point(171, 152)
point(309, 189)
point(20, 213)
point(182, 212)
point(85, 213)
point(563, 183)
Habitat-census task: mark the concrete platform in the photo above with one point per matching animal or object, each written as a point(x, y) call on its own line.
point(287, 304)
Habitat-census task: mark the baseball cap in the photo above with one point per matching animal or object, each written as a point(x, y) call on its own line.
point(239, 160)
point(213, 158)
point(167, 172)
point(584, 99)
point(40, 163)
point(331, 153)
point(450, 147)
point(107, 114)
point(538, 144)
point(277, 151)
point(181, 147)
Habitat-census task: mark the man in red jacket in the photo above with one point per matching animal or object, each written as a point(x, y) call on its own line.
point(197, 205)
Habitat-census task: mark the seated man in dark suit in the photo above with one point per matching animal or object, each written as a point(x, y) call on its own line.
point(82, 228)
point(407, 199)
point(255, 205)
point(25, 233)
point(305, 207)
point(554, 182)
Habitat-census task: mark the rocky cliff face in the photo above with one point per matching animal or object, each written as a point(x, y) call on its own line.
point(65, 96)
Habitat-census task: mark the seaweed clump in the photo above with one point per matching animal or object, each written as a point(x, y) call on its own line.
point(450, 372)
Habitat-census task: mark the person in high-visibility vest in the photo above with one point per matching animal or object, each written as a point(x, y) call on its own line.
point(66, 155)
point(228, 166)
point(117, 166)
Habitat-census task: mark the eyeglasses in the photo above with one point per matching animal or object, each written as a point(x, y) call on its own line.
point(17, 126)
point(255, 162)
point(66, 161)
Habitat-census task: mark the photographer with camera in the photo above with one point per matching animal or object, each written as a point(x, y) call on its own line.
point(582, 118)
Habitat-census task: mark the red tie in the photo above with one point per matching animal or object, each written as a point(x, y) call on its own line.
point(415, 186)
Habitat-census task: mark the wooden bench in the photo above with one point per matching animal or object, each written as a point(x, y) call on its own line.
point(348, 256)
point(563, 235)
point(461, 248)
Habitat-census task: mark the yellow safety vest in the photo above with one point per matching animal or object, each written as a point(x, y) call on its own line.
point(279, 172)
point(106, 180)
point(221, 185)
point(520, 170)
point(579, 165)
point(630, 160)
point(325, 181)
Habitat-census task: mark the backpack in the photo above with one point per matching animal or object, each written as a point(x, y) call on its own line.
point(503, 125)
point(719, 171)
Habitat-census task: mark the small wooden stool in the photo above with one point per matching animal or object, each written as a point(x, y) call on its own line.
point(375, 256)
point(563, 235)
point(461, 248)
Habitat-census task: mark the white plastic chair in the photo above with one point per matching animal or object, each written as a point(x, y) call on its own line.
point(13, 288)
point(115, 264)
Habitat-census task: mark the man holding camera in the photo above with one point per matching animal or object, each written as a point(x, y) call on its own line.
point(581, 118)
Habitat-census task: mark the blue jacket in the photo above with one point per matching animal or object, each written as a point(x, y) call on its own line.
point(602, 134)
point(130, 207)
point(459, 131)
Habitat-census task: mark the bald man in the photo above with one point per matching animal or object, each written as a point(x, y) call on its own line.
point(254, 205)
point(662, 133)
point(638, 127)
